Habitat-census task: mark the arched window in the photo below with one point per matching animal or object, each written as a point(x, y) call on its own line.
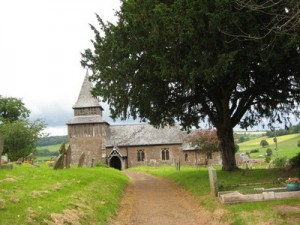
point(165, 154)
point(140, 155)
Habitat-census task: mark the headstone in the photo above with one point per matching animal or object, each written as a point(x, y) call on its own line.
point(213, 181)
point(62, 152)
point(30, 158)
point(68, 157)
point(59, 163)
point(81, 160)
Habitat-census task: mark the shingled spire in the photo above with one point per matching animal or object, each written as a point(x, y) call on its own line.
point(85, 98)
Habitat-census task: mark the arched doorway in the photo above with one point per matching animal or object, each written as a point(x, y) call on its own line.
point(115, 162)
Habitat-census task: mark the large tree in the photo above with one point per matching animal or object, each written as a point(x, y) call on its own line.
point(285, 15)
point(173, 61)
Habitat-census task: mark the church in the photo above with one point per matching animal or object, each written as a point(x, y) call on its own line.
point(124, 146)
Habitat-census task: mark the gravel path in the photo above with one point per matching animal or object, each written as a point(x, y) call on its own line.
point(151, 200)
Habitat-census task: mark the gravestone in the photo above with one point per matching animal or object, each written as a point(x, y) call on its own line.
point(68, 157)
point(59, 163)
point(81, 160)
point(213, 181)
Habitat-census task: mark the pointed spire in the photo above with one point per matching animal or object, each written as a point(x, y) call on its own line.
point(85, 98)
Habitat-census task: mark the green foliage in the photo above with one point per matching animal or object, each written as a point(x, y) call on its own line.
point(264, 143)
point(298, 143)
point(269, 152)
point(268, 158)
point(52, 140)
point(93, 194)
point(254, 151)
point(192, 54)
point(12, 109)
point(20, 137)
point(295, 161)
point(280, 162)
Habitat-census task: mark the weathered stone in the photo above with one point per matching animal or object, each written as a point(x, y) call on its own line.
point(213, 181)
point(30, 158)
point(68, 157)
point(59, 163)
point(81, 160)
point(236, 197)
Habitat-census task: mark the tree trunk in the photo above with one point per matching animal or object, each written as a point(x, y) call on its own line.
point(227, 148)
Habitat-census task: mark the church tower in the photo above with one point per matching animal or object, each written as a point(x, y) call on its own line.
point(87, 131)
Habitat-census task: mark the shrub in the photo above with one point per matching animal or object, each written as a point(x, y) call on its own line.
point(269, 152)
point(264, 143)
point(280, 162)
point(267, 159)
point(298, 143)
point(295, 161)
point(254, 151)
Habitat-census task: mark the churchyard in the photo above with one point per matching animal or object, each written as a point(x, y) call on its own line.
point(41, 195)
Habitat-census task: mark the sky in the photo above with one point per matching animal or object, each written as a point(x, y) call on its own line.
point(40, 46)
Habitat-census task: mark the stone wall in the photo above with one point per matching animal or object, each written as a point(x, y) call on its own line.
point(92, 146)
point(153, 156)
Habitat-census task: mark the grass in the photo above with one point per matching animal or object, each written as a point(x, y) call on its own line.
point(42, 195)
point(51, 148)
point(196, 182)
point(287, 146)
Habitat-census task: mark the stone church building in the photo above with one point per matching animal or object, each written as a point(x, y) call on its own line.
point(124, 146)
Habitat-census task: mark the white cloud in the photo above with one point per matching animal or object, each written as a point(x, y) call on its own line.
point(40, 46)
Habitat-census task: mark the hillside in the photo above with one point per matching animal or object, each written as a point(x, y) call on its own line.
point(287, 146)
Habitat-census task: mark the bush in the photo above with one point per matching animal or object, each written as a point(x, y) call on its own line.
point(267, 159)
point(295, 161)
point(264, 143)
point(254, 151)
point(280, 162)
point(298, 143)
point(269, 152)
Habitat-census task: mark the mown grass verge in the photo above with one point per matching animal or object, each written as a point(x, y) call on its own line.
point(71, 196)
point(196, 182)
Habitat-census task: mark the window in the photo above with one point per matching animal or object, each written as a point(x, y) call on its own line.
point(140, 155)
point(165, 154)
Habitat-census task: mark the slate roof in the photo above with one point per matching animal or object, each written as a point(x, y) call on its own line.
point(143, 134)
point(85, 98)
point(86, 119)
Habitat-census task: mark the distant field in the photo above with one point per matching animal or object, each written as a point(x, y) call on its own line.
point(287, 146)
point(51, 148)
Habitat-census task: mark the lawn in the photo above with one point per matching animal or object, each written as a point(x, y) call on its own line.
point(196, 182)
point(30, 195)
point(287, 146)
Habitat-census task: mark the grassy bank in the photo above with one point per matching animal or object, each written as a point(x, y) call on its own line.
point(196, 182)
point(72, 196)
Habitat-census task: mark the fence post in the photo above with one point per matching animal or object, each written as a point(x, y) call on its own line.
point(213, 181)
